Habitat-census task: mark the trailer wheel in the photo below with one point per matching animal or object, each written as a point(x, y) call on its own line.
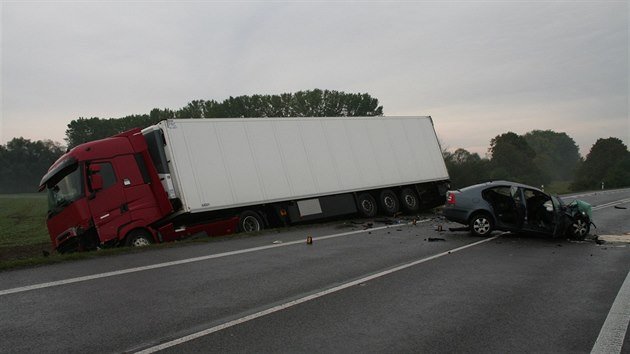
point(138, 238)
point(366, 205)
point(389, 202)
point(409, 200)
point(250, 221)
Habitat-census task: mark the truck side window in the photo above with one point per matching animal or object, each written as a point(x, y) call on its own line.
point(107, 171)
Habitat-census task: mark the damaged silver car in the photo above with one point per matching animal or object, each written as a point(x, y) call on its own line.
point(510, 206)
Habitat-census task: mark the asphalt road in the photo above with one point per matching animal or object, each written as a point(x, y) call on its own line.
point(388, 288)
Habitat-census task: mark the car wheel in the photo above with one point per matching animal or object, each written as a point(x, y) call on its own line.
point(138, 238)
point(366, 205)
point(481, 224)
point(580, 228)
point(250, 221)
point(389, 202)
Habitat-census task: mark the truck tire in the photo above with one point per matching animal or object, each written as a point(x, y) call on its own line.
point(409, 200)
point(250, 221)
point(389, 202)
point(366, 205)
point(138, 238)
point(481, 224)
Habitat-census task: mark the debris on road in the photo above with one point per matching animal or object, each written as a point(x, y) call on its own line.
point(434, 239)
point(620, 207)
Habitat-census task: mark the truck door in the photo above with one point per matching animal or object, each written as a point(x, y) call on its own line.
point(106, 200)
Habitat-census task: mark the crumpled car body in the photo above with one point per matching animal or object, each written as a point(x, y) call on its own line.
point(511, 206)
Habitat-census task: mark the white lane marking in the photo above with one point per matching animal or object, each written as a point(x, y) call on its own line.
point(611, 337)
point(606, 205)
point(292, 303)
point(184, 261)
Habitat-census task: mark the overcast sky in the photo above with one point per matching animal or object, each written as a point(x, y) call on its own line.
point(479, 68)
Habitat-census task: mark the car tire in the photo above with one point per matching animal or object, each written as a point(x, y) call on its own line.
point(389, 202)
point(250, 221)
point(366, 204)
point(481, 224)
point(579, 228)
point(138, 238)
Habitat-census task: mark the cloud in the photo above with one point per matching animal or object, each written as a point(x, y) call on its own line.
point(478, 68)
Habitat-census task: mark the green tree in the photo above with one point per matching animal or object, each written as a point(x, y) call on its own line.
point(513, 159)
point(607, 162)
point(23, 163)
point(557, 155)
point(465, 168)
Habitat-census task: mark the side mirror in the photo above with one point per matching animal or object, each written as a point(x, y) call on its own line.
point(95, 168)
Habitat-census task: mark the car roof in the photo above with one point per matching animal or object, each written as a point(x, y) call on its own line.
point(499, 183)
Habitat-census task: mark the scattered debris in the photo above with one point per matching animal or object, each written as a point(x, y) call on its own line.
point(309, 240)
point(620, 207)
point(385, 221)
point(277, 242)
point(434, 239)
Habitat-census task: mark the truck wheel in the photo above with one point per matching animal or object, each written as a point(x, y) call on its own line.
point(250, 221)
point(138, 238)
point(409, 200)
point(389, 202)
point(481, 224)
point(366, 205)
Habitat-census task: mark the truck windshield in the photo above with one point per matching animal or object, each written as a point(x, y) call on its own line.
point(67, 190)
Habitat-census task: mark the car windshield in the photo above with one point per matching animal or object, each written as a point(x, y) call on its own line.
point(67, 190)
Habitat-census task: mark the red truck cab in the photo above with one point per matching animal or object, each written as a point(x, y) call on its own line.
point(103, 193)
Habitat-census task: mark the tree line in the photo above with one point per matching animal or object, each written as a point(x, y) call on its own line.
point(540, 158)
point(311, 103)
point(535, 158)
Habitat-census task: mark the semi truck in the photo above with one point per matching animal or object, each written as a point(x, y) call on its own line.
point(186, 177)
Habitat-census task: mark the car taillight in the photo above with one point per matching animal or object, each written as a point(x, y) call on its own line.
point(450, 198)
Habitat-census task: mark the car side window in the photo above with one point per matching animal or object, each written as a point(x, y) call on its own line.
point(499, 197)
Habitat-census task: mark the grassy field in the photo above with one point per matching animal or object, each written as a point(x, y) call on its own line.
point(23, 231)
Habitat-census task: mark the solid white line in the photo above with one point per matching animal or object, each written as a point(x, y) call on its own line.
point(292, 303)
point(183, 261)
point(611, 337)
